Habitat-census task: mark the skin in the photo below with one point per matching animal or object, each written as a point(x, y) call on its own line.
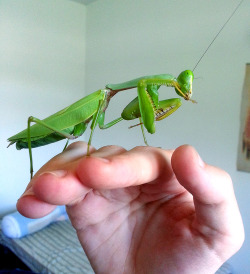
point(146, 210)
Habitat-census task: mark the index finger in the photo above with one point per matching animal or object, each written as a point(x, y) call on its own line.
point(137, 166)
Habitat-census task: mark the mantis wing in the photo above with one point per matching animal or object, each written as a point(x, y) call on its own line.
point(66, 118)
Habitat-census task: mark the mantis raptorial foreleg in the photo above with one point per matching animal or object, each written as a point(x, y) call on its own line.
point(132, 111)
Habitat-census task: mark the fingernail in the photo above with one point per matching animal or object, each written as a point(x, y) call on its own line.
point(105, 160)
point(102, 159)
point(200, 161)
point(58, 173)
point(27, 192)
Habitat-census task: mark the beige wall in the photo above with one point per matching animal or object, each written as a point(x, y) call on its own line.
point(42, 69)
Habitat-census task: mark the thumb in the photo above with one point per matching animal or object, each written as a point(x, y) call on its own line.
point(216, 208)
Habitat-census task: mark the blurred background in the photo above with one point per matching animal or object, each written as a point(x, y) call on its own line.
point(54, 52)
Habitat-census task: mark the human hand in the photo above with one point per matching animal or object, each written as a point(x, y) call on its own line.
point(146, 210)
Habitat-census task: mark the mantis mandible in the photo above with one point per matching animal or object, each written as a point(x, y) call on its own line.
point(72, 121)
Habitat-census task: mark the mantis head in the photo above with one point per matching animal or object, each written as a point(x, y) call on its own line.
point(184, 84)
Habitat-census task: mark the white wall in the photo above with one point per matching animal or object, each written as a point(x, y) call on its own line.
point(42, 68)
point(128, 39)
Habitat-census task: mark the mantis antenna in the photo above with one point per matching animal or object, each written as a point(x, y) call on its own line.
point(217, 34)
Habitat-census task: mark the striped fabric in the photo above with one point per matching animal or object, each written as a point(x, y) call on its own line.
point(54, 249)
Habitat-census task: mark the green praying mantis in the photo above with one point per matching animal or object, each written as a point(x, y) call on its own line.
point(72, 121)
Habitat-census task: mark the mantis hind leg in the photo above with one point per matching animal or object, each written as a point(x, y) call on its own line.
point(143, 132)
point(40, 122)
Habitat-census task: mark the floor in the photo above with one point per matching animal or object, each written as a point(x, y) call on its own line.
point(9, 263)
